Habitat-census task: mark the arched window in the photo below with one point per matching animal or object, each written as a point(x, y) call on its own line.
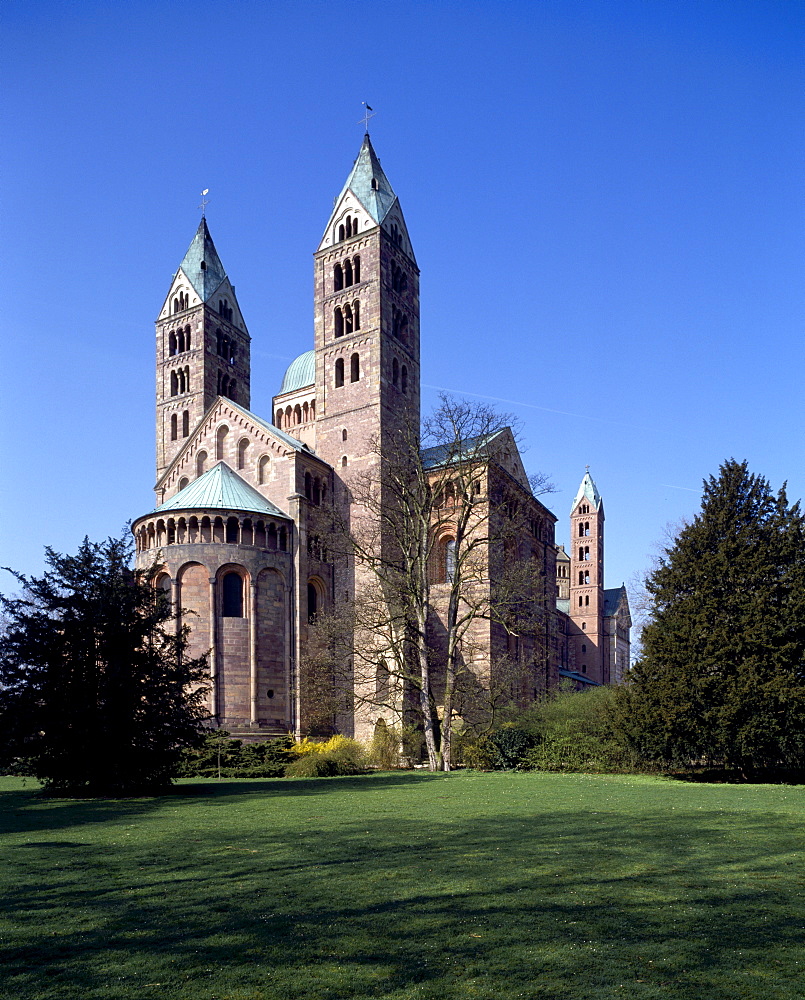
point(278, 420)
point(347, 272)
point(312, 601)
point(263, 469)
point(187, 339)
point(356, 269)
point(305, 413)
point(232, 531)
point(288, 415)
point(580, 602)
point(180, 342)
point(339, 323)
point(172, 344)
point(581, 529)
point(586, 527)
point(344, 434)
point(587, 601)
point(174, 427)
point(297, 414)
point(187, 378)
point(581, 553)
point(184, 481)
point(348, 321)
point(584, 626)
point(341, 233)
point(174, 384)
point(243, 448)
point(282, 539)
point(220, 441)
point(395, 373)
point(404, 384)
point(354, 368)
point(356, 314)
point(339, 372)
point(338, 278)
point(586, 553)
point(581, 579)
point(232, 595)
point(587, 577)
point(185, 423)
point(343, 461)
point(201, 463)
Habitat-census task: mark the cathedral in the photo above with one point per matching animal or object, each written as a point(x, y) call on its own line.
point(231, 530)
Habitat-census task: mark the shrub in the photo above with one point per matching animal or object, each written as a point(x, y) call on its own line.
point(509, 746)
point(475, 752)
point(312, 765)
point(384, 750)
point(234, 759)
point(573, 731)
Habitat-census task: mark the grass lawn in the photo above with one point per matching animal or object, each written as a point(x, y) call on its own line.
point(406, 885)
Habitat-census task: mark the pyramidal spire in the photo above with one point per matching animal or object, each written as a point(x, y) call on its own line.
point(201, 263)
point(369, 184)
point(587, 490)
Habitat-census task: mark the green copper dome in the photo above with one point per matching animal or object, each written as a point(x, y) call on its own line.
point(301, 373)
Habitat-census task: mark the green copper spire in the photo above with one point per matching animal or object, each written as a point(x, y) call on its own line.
point(369, 184)
point(589, 490)
point(201, 263)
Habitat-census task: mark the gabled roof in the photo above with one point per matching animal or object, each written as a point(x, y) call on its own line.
point(201, 263)
point(378, 198)
point(563, 605)
point(574, 675)
point(221, 489)
point(589, 490)
point(612, 600)
point(457, 451)
point(300, 373)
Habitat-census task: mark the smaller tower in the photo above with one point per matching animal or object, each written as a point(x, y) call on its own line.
point(586, 634)
point(202, 348)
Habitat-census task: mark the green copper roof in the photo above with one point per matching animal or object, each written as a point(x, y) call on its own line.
point(201, 263)
point(220, 489)
point(300, 373)
point(377, 198)
point(587, 489)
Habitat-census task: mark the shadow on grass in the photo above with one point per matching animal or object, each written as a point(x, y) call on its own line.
point(536, 903)
point(732, 776)
point(29, 809)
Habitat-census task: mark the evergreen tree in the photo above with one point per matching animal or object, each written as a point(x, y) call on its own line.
point(96, 690)
point(721, 676)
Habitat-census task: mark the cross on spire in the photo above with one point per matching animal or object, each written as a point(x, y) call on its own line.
point(368, 113)
point(204, 202)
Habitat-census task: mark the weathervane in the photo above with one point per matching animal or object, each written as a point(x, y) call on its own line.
point(368, 113)
point(204, 202)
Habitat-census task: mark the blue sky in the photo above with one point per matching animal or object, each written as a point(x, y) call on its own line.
point(605, 198)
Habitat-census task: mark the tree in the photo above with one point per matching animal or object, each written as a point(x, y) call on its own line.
point(95, 688)
point(441, 538)
point(721, 676)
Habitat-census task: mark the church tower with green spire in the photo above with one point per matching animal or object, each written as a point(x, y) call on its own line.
point(586, 632)
point(366, 304)
point(202, 347)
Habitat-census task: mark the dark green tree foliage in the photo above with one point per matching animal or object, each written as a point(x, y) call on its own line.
point(721, 674)
point(97, 694)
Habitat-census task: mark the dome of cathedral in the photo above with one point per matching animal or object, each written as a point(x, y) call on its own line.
point(301, 373)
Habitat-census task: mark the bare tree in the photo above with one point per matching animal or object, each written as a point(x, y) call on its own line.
point(450, 548)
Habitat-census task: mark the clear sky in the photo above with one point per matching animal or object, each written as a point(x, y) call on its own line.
point(605, 199)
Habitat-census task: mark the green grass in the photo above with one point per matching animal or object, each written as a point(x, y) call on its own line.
point(407, 885)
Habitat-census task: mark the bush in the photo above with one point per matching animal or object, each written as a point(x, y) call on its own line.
point(384, 750)
point(338, 755)
point(475, 752)
point(313, 765)
point(574, 731)
point(234, 759)
point(509, 746)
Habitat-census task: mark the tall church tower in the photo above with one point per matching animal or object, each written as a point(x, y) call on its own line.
point(366, 302)
point(587, 582)
point(202, 347)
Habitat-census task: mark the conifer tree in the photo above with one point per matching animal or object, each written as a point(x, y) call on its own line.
point(721, 676)
point(96, 689)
